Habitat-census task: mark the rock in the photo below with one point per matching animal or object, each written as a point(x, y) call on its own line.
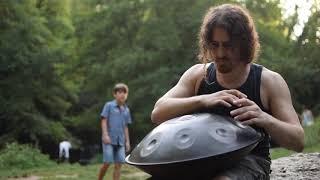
point(304, 166)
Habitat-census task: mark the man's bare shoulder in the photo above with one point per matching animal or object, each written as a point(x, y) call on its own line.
point(197, 69)
point(270, 77)
point(273, 83)
point(195, 72)
point(192, 78)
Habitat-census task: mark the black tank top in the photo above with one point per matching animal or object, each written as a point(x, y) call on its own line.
point(251, 88)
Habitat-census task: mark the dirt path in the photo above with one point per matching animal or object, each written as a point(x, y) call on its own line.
point(137, 175)
point(26, 178)
point(60, 176)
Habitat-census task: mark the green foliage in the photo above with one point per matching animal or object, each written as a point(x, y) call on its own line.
point(146, 44)
point(60, 59)
point(17, 156)
point(97, 159)
point(85, 127)
point(280, 152)
point(311, 139)
point(312, 134)
point(32, 93)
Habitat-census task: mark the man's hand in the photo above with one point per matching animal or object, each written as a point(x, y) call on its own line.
point(225, 98)
point(127, 146)
point(106, 139)
point(249, 113)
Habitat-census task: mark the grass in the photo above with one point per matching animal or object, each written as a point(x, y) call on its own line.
point(73, 171)
point(281, 152)
point(312, 142)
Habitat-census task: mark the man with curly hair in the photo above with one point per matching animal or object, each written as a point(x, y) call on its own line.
point(227, 82)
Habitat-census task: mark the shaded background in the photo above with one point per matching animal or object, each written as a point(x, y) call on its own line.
point(59, 60)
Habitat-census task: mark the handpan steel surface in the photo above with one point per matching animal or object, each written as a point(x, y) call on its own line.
point(205, 143)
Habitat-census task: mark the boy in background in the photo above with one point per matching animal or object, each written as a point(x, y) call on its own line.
point(115, 118)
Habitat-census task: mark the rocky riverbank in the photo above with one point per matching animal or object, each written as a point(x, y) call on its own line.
point(301, 166)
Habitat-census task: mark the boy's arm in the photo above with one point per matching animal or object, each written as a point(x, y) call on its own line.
point(126, 132)
point(104, 128)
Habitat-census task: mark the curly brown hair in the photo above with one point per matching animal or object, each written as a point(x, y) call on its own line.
point(238, 23)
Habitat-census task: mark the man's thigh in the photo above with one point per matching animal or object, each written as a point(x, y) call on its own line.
point(250, 168)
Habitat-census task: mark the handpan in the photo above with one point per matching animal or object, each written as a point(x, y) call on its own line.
point(193, 146)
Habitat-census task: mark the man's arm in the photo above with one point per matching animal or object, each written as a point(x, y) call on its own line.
point(284, 127)
point(283, 123)
point(104, 128)
point(181, 98)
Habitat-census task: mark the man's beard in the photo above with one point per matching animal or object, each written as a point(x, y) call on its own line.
point(224, 66)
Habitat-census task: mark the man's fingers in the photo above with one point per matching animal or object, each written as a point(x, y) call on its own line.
point(237, 93)
point(249, 122)
point(244, 108)
point(245, 116)
point(238, 111)
point(229, 99)
point(224, 103)
point(243, 102)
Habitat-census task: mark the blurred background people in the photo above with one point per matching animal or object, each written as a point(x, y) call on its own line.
point(64, 148)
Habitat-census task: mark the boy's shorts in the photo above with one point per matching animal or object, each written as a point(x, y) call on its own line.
point(113, 153)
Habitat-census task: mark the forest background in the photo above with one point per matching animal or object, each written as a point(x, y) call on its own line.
point(59, 60)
